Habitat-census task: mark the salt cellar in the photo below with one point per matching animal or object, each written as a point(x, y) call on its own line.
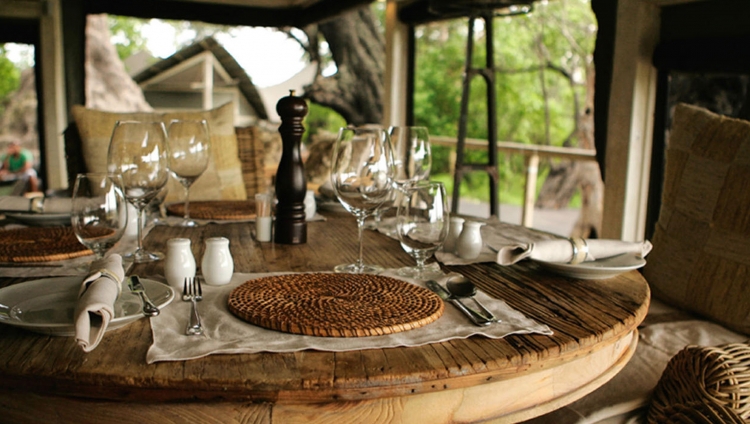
point(217, 264)
point(179, 262)
point(470, 242)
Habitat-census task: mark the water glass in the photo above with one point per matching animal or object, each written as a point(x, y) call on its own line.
point(99, 211)
point(422, 225)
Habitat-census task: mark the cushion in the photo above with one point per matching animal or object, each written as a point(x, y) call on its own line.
point(250, 148)
point(701, 256)
point(222, 180)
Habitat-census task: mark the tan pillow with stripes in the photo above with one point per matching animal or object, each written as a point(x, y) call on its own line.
point(701, 255)
point(222, 180)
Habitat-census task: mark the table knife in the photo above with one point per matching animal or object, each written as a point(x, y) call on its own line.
point(149, 309)
point(445, 295)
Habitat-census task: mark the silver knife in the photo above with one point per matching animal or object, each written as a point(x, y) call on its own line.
point(445, 295)
point(149, 309)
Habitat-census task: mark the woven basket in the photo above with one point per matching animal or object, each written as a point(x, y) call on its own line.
point(250, 149)
point(705, 412)
point(718, 377)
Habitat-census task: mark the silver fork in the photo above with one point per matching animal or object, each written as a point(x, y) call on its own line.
point(192, 292)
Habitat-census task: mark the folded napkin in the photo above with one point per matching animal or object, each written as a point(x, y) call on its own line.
point(57, 205)
point(95, 308)
point(35, 204)
point(575, 250)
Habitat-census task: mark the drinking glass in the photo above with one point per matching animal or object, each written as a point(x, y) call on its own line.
point(362, 178)
point(189, 147)
point(412, 154)
point(412, 161)
point(99, 212)
point(422, 225)
point(138, 153)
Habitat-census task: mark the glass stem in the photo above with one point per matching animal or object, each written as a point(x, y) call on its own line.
point(187, 203)
point(140, 230)
point(360, 227)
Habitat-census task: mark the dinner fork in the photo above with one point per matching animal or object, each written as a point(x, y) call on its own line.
point(192, 292)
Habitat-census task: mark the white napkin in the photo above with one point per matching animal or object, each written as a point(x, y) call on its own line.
point(37, 204)
point(227, 334)
point(562, 250)
point(95, 308)
point(57, 205)
point(15, 204)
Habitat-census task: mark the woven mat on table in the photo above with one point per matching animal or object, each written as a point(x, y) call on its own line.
point(216, 209)
point(37, 244)
point(335, 305)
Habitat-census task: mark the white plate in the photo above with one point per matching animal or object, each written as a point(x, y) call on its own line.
point(596, 270)
point(46, 305)
point(41, 219)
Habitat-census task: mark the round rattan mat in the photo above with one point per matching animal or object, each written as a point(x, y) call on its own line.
point(216, 209)
point(36, 244)
point(335, 305)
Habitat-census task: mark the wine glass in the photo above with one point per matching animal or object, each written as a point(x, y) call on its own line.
point(412, 161)
point(99, 211)
point(422, 224)
point(189, 147)
point(362, 178)
point(412, 154)
point(138, 153)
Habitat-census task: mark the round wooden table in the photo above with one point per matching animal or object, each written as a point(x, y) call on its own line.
point(49, 379)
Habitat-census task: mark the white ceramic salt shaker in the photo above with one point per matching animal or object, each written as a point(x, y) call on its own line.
point(310, 207)
point(454, 230)
point(179, 263)
point(217, 264)
point(470, 242)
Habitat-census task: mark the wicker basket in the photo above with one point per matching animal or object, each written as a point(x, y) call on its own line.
point(716, 377)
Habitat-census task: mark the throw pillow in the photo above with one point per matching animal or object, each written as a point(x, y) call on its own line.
point(701, 256)
point(222, 180)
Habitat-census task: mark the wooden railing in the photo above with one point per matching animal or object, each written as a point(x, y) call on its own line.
point(532, 154)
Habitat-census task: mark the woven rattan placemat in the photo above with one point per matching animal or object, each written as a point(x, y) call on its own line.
point(335, 305)
point(37, 244)
point(216, 209)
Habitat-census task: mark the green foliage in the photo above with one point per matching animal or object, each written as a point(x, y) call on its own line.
point(320, 118)
point(541, 61)
point(9, 78)
point(127, 35)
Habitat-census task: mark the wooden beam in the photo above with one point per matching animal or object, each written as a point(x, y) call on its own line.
point(630, 121)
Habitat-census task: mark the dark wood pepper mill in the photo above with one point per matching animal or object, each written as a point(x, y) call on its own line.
point(291, 184)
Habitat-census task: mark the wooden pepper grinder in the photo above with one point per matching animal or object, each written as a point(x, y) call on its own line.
point(291, 185)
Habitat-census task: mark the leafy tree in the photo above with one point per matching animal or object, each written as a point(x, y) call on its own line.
point(127, 35)
point(9, 78)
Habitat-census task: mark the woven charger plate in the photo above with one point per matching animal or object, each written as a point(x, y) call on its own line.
point(36, 244)
point(216, 209)
point(335, 305)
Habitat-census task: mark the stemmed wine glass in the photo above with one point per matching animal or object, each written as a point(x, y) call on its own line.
point(412, 154)
point(412, 162)
point(189, 147)
point(362, 178)
point(99, 211)
point(138, 153)
point(422, 225)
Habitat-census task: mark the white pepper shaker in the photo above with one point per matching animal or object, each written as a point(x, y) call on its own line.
point(217, 264)
point(179, 263)
point(454, 230)
point(470, 241)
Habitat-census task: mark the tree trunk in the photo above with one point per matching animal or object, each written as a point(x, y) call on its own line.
point(356, 90)
point(566, 177)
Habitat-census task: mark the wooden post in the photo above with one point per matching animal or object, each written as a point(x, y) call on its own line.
point(529, 192)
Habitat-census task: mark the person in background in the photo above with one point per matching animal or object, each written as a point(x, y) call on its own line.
point(19, 162)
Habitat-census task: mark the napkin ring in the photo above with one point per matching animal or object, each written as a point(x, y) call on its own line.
point(580, 250)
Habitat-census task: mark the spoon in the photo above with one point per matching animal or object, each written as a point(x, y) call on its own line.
point(461, 287)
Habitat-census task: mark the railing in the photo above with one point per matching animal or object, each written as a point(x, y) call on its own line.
point(532, 154)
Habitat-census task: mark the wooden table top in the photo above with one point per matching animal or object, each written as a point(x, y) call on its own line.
point(594, 323)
